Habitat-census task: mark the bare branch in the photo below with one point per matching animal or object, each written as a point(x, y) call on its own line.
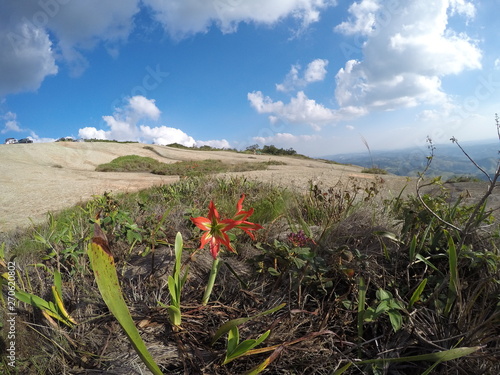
point(454, 140)
point(419, 186)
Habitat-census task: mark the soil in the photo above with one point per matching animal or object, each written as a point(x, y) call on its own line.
point(48, 177)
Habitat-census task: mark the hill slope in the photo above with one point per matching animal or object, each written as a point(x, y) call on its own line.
point(41, 177)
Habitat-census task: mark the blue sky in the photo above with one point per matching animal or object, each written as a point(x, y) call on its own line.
point(314, 75)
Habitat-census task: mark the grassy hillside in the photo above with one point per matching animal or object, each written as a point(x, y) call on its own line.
point(365, 282)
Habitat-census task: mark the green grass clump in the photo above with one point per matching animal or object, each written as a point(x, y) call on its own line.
point(134, 163)
point(374, 170)
point(130, 163)
point(107, 141)
point(455, 179)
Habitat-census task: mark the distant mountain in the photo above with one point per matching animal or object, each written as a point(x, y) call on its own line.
point(448, 160)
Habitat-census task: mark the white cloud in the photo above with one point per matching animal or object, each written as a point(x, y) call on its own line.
point(364, 18)
point(124, 125)
point(315, 71)
point(11, 123)
point(214, 143)
point(164, 135)
point(185, 17)
point(80, 26)
point(92, 133)
point(404, 57)
point(143, 107)
point(26, 58)
point(300, 110)
point(35, 36)
point(286, 139)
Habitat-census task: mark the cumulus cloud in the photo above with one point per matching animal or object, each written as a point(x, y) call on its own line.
point(362, 20)
point(36, 36)
point(286, 139)
point(11, 124)
point(301, 110)
point(214, 143)
point(80, 26)
point(124, 125)
point(27, 56)
point(407, 51)
point(185, 17)
point(164, 135)
point(315, 71)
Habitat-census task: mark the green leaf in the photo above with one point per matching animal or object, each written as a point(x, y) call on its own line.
point(58, 282)
point(413, 247)
point(454, 283)
point(233, 339)
point(106, 277)
point(445, 355)
point(174, 315)
point(262, 366)
point(226, 327)
point(273, 272)
point(361, 305)
point(383, 295)
point(427, 262)
point(417, 293)
point(343, 369)
point(244, 347)
point(178, 252)
point(172, 289)
point(396, 319)
point(382, 307)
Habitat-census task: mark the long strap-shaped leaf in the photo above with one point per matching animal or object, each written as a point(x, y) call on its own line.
point(106, 277)
point(437, 357)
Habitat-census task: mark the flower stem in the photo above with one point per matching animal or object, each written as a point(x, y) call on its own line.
point(211, 281)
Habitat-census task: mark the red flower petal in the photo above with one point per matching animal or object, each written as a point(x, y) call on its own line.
point(201, 222)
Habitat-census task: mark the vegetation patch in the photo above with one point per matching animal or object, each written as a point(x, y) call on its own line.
point(130, 163)
point(462, 179)
point(107, 140)
point(134, 163)
point(374, 170)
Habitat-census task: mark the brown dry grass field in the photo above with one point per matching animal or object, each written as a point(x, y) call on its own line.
point(47, 177)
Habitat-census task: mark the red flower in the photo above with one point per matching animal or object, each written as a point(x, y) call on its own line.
point(215, 229)
point(241, 217)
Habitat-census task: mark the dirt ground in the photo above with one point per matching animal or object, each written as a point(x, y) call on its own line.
point(46, 177)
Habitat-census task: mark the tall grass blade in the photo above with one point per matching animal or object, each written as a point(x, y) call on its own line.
point(175, 284)
point(417, 293)
point(361, 304)
point(454, 283)
point(226, 327)
point(261, 367)
point(106, 277)
point(442, 356)
point(343, 369)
